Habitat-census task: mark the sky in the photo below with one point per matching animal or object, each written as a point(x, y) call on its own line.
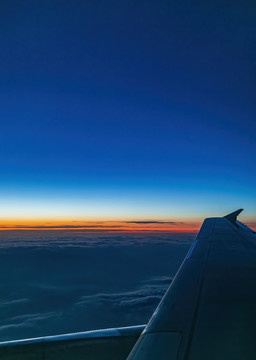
point(117, 111)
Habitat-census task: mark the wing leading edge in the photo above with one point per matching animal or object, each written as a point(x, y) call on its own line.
point(209, 310)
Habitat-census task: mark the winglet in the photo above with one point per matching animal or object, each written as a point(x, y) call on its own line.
point(232, 217)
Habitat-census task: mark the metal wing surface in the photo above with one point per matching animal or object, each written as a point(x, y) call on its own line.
point(104, 344)
point(209, 310)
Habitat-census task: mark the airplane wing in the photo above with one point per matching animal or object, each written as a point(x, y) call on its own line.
point(209, 310)
point(107, 344)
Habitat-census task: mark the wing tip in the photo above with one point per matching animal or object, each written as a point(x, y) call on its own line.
point(232, 217)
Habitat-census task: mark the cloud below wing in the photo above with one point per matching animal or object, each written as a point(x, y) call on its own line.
point(54, 283)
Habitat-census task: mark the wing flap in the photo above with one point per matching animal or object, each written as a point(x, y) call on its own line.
point(90, 345)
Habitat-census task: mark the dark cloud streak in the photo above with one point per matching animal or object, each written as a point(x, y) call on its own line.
point(155, 222)
point(61, 226)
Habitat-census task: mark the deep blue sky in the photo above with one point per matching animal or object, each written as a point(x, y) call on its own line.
point(127, 108)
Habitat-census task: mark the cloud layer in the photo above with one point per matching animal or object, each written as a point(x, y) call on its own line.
point(54, 283)
point(66, 238)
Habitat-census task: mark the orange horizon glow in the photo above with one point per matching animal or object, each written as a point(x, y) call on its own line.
point(126, 225)
point(123, 225)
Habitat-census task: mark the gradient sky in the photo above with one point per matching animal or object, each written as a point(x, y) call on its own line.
point(119, 110)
